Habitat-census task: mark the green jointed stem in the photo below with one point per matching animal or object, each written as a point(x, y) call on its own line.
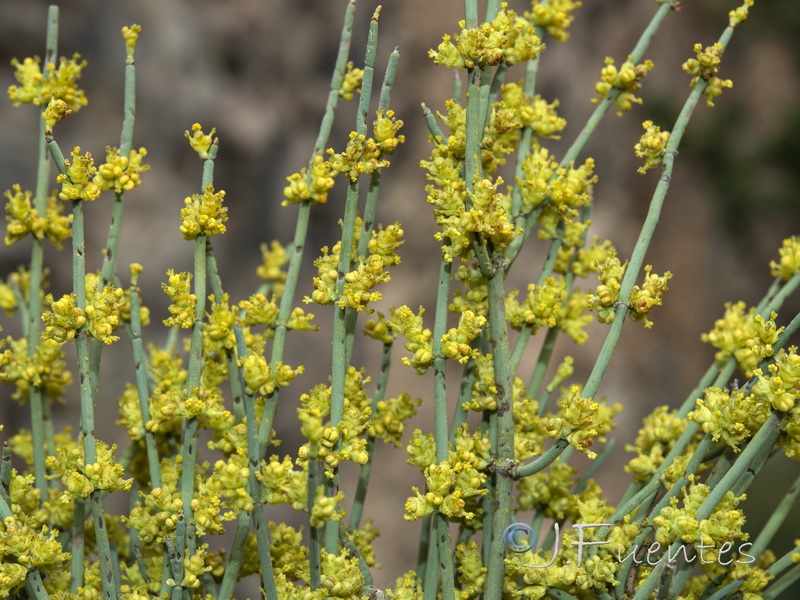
point(433, 126)
point(371, 204)
point(430, 587)
point(33, 311)
point(472, 157)
point(464, 394)
point(653, 214)
point(764, 438)
point(254, 486)
point(440, 528)
point(776, 519)
point(108, 270)
point(5, 472)
point(86, 390)
point(339, 355)
point(363, 475)
point(142, 387)
point(303, 215)
point(189, 443)
point(505, 434)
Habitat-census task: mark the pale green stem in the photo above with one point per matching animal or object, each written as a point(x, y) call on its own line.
point(86, 390)
point(433, 126)
point(366, 470)
point(371, 204)
point(424, 546)
point(254, 487)
point(193, 383)
point(779, 586)
point(464, 394)
point(505, 441)
point(33, 311)
point(303, 214)
point(108, 269)
point(764, 438)
point(441, 529)
point(142, 387)
point(776, 519)
point(430, 586)
point(339, 355)
point(591, 125)
point(5, 472)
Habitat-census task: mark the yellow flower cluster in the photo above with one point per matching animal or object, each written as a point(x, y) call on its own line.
point(369, 271)
point(651, 146)
point(81, 479)
point(199, 141)
point(23, 219)
point(341, 577)
point(273, 258)
point(554, 16)
point(388, 422)
point(610, 273)
point(22, 549)
point(789, 264)
point(351, 83)
point(471, 572)
point(365, 155)
point(746, 336)
point(779, 389)
point(183, 304)
point(456, 342)
point(731, 416)
point(120, 173)
point(418, 338)
point(78, 183)
point(131, 37)
point(534, 112)
point(45, 369)
point(581, 420)
point(723, 525)
point(564, 189)
point(282, 484)
point(738, 15)
point(627, 79)
point(203, 214)
point(643, 299)
point(60, 83)
point(508, 39)
point(64, 318)
point(289, 555)
point(313, 187)
point(569, 569)
point(448, 484)
point(706, 66)
point(335, 444)
point(259, 377)
point(103, 309)
point(326, 508)
point(542, 306)
point(193, 568)
point(659, 432)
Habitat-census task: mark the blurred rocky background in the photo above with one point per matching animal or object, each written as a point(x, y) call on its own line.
point(259, 72)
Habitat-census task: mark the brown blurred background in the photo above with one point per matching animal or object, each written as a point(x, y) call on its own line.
point(259, 72)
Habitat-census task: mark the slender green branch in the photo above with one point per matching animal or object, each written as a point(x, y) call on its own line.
point(339, 355)
point(776, 519)
point(303, 217)
point(505, 441)
point(366, 470)
point(142, 386)
point(33, 311)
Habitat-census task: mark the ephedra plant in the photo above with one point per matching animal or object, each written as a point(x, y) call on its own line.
point(502, 439)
